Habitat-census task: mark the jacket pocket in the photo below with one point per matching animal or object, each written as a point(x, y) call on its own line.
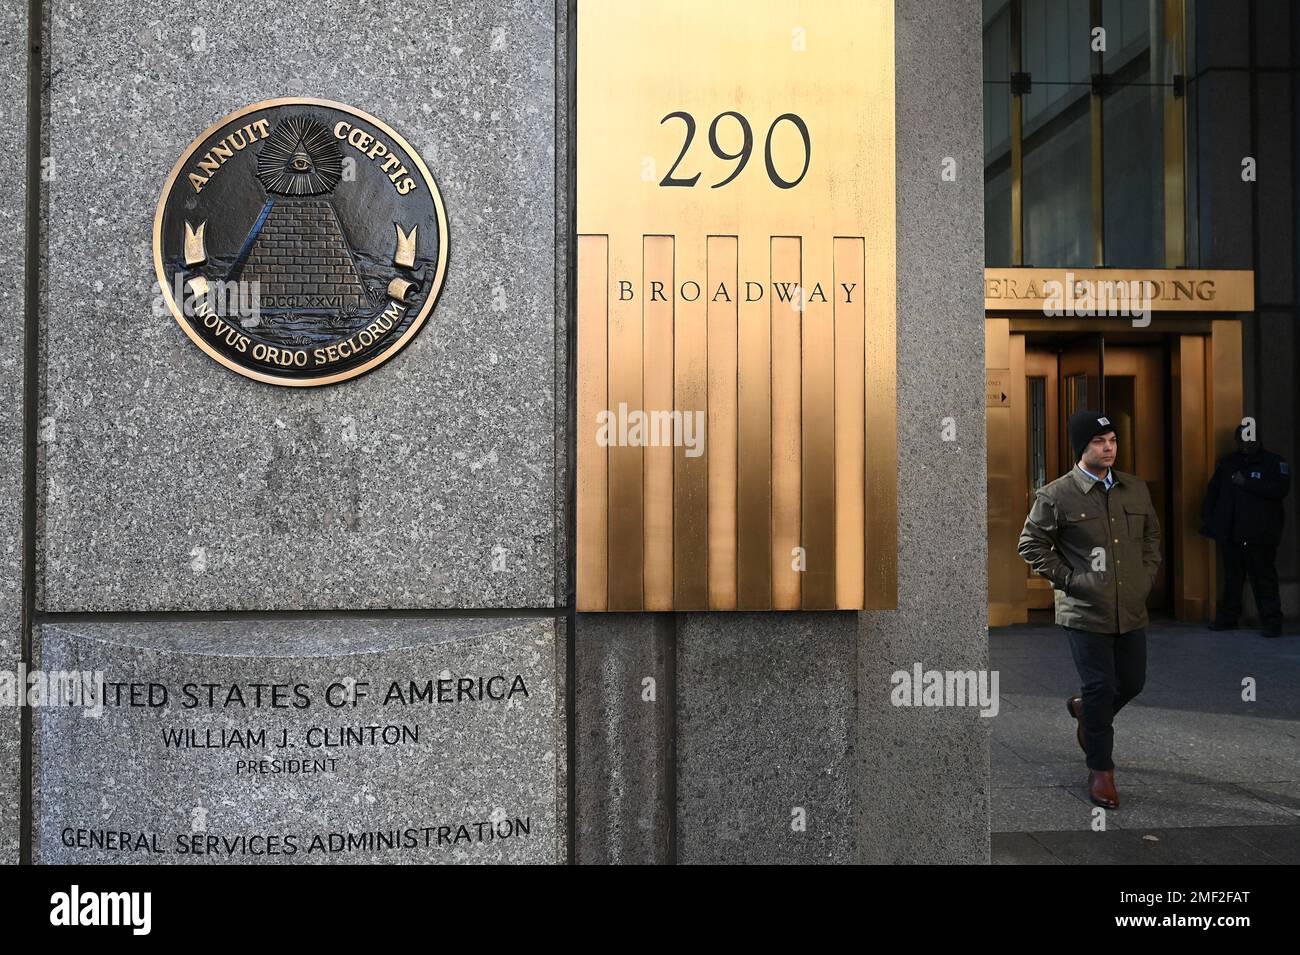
point(1086, 586)
point(1150, 579)
point(1136, 519)
point(1082, 530)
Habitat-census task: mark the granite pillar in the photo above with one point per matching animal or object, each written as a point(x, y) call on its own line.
point(922, 778)
point(624, 703)
point(13, 238)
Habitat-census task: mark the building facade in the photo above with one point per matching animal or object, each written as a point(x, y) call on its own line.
point(1141, 155)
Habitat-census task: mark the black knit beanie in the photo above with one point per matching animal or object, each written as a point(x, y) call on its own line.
point(1084, 426)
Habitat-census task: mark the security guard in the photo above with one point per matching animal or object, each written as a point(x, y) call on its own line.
point(1243, 512)
point(1093, 533)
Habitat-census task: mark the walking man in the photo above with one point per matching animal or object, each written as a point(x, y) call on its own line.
point(1243, 513)
point(1093, 533)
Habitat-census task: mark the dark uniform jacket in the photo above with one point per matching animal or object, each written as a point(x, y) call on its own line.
point(1076, 525)
point(1251, 511)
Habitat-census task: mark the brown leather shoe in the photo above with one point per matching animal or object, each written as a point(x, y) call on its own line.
point(1101, 788)
point(1075, 705)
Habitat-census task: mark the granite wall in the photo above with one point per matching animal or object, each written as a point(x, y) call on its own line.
point(257, 526)
point(356, 741)
point(169, 485)
point(13, 236)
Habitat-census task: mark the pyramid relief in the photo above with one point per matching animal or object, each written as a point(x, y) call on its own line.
point(301, 258)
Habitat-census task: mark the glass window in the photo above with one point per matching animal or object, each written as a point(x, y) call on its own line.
point(1056, 51)
point(1037, 432)
point(1054, 46)
point(1058, 194)
point(997, 133)
point(1133, 189)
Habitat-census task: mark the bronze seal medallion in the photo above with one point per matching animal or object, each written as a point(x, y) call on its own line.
point(300, 242)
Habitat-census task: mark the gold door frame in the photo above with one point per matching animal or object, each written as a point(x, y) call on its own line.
point(1045, 365)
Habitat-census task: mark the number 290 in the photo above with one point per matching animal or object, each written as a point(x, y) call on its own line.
point(745, 150)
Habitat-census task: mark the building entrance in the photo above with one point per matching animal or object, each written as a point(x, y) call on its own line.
point(1174, 393)
point(1127, 382)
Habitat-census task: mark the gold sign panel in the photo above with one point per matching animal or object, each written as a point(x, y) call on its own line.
point(736, 423)
point(997, 387)
point(1084, 292)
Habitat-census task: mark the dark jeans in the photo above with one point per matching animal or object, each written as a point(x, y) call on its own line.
point(1259, 562)
point(1112, 670)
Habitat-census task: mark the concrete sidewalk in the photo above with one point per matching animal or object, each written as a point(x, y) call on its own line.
point(1203, 776)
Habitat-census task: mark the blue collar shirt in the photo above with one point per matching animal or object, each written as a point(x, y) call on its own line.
point(1108, 481)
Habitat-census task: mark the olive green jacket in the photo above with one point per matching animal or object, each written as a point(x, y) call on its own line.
point(1100, 549)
